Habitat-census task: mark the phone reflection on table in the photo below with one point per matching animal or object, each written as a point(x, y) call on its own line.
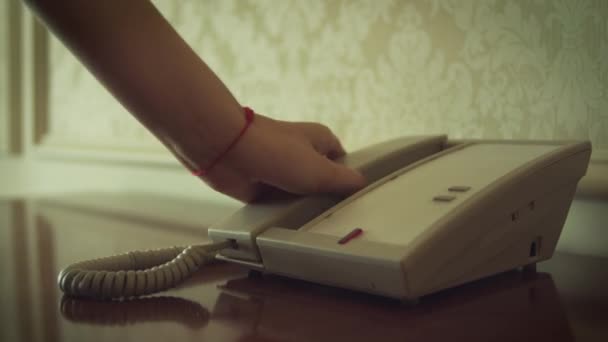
point(513, 306)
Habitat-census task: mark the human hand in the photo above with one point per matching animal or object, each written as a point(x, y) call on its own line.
point(188, 108)
point(296, 157)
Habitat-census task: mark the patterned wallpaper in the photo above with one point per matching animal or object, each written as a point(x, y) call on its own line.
point(372, 70)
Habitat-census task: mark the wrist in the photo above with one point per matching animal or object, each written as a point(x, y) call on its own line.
point(204, 143)
point(197, 139)
point(248, 114)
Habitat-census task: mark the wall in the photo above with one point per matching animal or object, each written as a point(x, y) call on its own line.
point(374, 70)
point(371, 70)
point(4, 80)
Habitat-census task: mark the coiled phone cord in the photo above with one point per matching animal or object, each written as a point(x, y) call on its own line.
point(136, 273)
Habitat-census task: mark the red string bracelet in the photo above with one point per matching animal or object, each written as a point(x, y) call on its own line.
point(249, 114)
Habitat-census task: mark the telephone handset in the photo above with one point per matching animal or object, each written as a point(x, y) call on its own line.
point(437, 213)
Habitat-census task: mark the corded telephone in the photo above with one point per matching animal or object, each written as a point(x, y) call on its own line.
point(437, 213)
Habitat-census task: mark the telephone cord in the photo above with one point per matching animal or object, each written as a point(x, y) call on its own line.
point(137, 273)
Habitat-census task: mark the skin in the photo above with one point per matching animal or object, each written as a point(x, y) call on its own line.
point(136, 54)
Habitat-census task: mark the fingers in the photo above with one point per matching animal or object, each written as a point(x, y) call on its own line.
point(332, 150)
point(322, 139)
point(293, 157)
point(313, 173)
point(335, 178)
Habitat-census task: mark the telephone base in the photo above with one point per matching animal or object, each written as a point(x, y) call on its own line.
point(437, 214)
point(529, 268)
point(410, 302)
point(251, 265)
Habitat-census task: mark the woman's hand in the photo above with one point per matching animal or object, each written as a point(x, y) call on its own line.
point(136, 54)
point(294, 157)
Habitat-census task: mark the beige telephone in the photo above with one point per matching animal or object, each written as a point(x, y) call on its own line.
point(437, 213)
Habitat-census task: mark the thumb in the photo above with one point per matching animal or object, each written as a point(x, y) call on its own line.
point(308, 172)
point(335, 178)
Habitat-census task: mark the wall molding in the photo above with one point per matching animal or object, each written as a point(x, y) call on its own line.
point(594, 185)
point(47, 145)
point(41, 74)
point(11, 132)
point(4, 77)
point(599, 156)
point(100, 154)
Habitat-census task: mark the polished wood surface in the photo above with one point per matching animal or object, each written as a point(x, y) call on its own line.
point(565, 300)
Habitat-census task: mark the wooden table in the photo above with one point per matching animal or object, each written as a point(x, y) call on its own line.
point(565, 300)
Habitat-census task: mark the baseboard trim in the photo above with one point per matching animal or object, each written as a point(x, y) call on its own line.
point(595, 183)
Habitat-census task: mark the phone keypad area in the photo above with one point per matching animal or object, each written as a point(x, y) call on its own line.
point(383, 209)
point(444, 198)
point(449, 198)
point(459, 188)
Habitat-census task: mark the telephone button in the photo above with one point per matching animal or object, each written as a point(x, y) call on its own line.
point(444, 198)
point(459, 188)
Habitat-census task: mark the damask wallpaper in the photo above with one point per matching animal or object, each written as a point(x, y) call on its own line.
point(372, 70)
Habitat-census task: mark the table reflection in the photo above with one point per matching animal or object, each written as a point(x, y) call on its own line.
point(511, 306)
point(226, 303)
point(514, 306)
point(148, 310)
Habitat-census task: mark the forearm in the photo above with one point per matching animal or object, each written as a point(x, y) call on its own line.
point(144, 63)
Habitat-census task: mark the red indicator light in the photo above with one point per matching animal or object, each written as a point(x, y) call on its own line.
point(353, 234)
